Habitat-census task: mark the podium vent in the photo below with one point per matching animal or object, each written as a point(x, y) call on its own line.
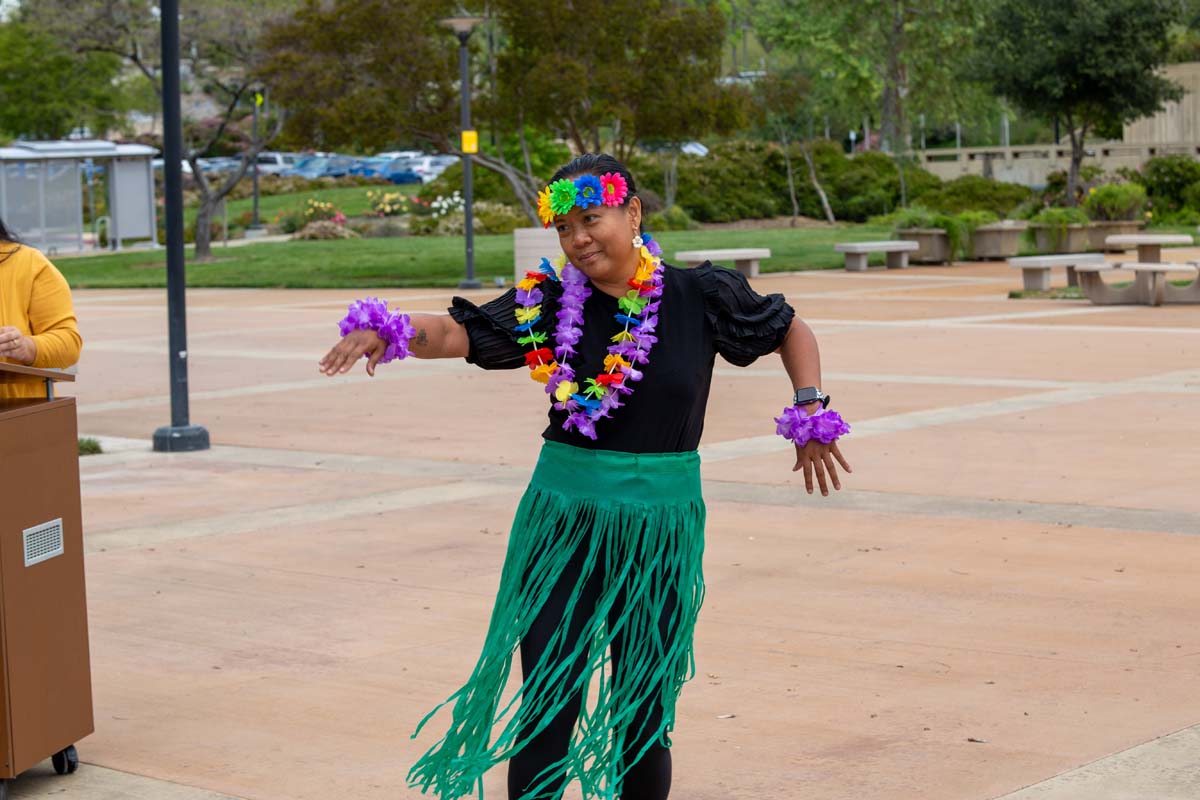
point(43, 542)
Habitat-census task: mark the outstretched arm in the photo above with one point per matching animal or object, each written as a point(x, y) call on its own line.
point(437, 336)
point(802, 360)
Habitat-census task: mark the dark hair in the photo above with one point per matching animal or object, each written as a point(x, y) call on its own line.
point(598, 164)
point(8, 237)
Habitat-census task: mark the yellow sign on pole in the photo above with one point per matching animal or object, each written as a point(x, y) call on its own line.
point(470, 141)
point(258, 98)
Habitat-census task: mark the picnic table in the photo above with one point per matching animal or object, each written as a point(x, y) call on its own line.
point(1149, 245)
point(1151, 284)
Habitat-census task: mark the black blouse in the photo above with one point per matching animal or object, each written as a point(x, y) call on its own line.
point(705, 310)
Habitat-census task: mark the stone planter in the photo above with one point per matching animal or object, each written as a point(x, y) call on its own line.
point(530, 246)
point(1099, 231)
point(997, 241)
point(1061, 238)
point(933, 245)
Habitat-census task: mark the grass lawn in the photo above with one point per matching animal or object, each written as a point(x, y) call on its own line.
point(421, 261)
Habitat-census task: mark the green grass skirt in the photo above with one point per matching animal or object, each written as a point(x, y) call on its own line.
point(639, 520)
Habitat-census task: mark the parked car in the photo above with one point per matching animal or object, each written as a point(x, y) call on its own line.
point(430, 167)
point(220, 164)
point(391, 155)
point(400, 170)
point(369, 167)
point(273, 163)
point(321, 167)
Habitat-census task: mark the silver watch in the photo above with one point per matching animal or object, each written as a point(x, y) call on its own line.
point(808, 395)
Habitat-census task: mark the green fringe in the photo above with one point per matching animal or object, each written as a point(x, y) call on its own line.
point(640, 520)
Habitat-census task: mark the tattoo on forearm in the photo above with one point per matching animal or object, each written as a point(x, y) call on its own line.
point(422, 338)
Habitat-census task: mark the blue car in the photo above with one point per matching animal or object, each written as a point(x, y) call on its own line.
point(369, 167)
point(399, 170)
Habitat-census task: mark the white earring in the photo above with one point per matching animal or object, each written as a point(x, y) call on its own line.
point(637, 241)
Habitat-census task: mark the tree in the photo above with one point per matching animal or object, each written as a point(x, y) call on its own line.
point(783, 98)
point(218, 52)
point(901, 56)
point(46, 90)
point(373, 72)
point(1091, 63)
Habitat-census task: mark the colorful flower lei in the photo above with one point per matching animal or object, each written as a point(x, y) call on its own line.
point(638, 316)
point(586, 191)
point(372, 314)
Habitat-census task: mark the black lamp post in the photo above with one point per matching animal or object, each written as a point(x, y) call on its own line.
point(180, 434)
point(462, 27)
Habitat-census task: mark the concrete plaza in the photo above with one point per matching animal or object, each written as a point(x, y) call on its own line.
point(1002, 603)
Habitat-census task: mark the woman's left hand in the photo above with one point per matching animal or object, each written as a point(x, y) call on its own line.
point(16, 346)
point(819, 458)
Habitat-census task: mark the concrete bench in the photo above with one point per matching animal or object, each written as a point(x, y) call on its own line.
point(896, 253)
point(744, 261)
point(1150, 284)
point(1035, 270)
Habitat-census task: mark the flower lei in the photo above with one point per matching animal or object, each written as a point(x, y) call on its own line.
point(823, 425)
point(639, 307)
point(586, 191)
point(393, 328)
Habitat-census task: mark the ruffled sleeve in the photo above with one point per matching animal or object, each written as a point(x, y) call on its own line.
point(490, 328)
point(745, 324)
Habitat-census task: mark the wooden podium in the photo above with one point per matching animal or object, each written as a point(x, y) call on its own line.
point(45, 670)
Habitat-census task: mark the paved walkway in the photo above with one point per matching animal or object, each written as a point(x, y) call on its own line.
point(1002, 604)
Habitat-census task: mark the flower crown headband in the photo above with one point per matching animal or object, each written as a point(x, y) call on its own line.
point(610, 189)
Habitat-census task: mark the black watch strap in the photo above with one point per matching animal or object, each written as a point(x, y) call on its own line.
point(808, 395)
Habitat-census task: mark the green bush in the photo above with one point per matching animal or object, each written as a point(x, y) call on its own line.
point(1116, 201)
point(972, 192)
point(1059, 217)
point(1167, 177)
point(734, 181)
point(672, 219)
point(920, 217)
point(497, 218)
point(89, 446)
point(1191, 197)
point(1184, 217)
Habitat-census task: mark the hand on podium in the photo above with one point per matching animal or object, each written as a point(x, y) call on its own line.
point(16, 346)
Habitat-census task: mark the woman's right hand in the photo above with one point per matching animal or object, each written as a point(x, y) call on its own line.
point(343, 355)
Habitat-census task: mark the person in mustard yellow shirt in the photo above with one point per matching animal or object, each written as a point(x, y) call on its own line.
point(37, 319)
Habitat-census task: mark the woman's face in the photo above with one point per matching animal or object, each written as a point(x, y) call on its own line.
point(599, 240)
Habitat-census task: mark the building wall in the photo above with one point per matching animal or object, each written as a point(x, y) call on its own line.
point(1177, 122)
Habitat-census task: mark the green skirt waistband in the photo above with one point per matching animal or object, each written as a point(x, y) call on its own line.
point(651, 479)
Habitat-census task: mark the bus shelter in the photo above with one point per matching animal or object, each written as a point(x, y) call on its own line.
point(42, 185)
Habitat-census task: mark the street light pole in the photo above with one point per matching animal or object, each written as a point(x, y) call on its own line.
point(462, 27)
point(180, 435)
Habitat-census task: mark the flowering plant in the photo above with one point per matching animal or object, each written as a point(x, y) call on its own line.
point(389, 204)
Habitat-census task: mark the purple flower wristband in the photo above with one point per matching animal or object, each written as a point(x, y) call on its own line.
point(372, 314)
point(823, 425)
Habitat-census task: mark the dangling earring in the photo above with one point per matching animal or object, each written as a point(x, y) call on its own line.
point(637, 241)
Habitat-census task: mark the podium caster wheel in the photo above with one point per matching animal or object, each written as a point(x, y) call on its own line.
point(65, 761)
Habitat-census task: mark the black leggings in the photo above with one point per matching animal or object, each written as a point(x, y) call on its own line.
point(650, 777)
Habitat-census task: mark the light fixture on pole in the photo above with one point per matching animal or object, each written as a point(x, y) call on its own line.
point(462, 26)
